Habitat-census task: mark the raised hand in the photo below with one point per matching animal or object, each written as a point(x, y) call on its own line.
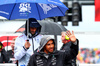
point(71, 36)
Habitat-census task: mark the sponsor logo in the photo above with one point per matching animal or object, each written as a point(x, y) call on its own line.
point(24, 9)
point(47, 7)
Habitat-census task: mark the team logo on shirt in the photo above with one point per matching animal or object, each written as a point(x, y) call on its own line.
point(53, 61)
point(39, 61)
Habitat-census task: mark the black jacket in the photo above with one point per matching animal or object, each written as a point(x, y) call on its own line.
point(10, 54)
point(4, 57)
point(56, 58)
point(71, 62)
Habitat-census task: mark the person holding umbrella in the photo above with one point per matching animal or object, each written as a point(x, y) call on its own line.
point(24, 47)
point(49, 56)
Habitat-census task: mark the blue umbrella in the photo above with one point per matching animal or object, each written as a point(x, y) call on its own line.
point(38, 9)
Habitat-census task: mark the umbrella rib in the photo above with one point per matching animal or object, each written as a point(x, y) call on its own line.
point(52, 29)
point(12, 11)
point(59, 26)
point(38, 11)
point(44, 28)
point(60, 10)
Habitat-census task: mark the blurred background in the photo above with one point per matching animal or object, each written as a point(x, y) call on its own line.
point(82, 17)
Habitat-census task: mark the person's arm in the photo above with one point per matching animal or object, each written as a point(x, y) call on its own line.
point(19, 50)
point(72, 53)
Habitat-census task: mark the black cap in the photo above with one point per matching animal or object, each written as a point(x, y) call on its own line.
point(33, 23)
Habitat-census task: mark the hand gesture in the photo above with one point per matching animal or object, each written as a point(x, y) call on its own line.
point(27, 44)
point(71, 36)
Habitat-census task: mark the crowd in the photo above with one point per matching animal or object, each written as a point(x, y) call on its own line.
point(33, 49)
point(89, 56)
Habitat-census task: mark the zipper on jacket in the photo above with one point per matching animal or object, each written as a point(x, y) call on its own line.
point(33, 45)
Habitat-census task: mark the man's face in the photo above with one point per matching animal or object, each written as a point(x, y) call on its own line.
point(32, 30)
point(63, 38)
point(12, 44)
point(49, 47)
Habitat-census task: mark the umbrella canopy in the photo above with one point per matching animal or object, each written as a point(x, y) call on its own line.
point(48, 28)
point(38, 9)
